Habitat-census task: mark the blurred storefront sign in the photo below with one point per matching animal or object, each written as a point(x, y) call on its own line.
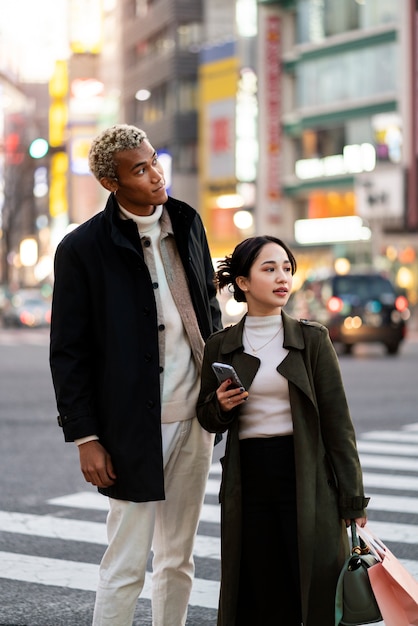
point(380, 194)
point(219, 75)
point(85, 26)
point(331, 230)
point(354, 158)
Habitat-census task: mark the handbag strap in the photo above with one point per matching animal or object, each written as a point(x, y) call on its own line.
point(358, 545)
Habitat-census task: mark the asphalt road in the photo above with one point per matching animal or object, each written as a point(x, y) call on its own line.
point(50, 544)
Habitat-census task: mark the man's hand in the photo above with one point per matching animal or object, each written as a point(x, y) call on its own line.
point(96, 464)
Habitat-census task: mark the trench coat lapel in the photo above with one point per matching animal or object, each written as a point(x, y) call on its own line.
point(293, 366)
point(246, 365)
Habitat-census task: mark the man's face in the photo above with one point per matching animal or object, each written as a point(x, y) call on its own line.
point(140, 185)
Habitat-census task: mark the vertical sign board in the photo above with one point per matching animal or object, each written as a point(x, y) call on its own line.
point(412, 207)
point(218, 83)
point(270, 107)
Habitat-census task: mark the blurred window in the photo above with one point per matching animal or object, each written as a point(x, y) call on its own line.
point(187, 158)
point(355, 74)
point(161, 104)
point(319, 19)
point(187, 96)
point(322, 142)
point(382, 131)
point(190, 36)
point(157, 106)
point(364, 287)
point(141, 7)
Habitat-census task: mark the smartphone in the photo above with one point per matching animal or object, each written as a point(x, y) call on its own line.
point(225, 372)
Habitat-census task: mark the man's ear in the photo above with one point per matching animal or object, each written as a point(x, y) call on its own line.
point(111, 184)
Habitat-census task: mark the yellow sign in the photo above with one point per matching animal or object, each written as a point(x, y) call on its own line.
point(58, 202)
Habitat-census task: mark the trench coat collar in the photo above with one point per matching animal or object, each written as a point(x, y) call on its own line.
point(293, 336)
point(292, 367)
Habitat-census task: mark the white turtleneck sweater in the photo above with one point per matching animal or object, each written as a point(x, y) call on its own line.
point(267, 410)
point(179, 379)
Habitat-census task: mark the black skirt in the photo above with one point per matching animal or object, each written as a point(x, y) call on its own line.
point(269, 590)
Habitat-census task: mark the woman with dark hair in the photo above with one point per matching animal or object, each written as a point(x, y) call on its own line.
point(292, 479)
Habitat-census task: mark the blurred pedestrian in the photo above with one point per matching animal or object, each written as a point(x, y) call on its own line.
point(133, 302)
point(291, 474)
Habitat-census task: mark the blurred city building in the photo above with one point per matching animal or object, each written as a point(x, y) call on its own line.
point(348, 141)
point(295, 118)
point(28, 47)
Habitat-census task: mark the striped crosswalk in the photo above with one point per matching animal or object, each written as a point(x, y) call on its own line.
point(390, 465)
point(84, 576)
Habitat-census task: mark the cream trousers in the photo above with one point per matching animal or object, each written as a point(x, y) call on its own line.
point(168, 527)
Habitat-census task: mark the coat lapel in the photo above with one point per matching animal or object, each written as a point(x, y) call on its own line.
point(293, 365)
point(233, 353)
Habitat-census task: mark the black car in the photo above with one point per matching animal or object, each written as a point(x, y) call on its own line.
point(355, 307)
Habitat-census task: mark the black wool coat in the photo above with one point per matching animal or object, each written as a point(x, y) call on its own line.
point(329, 486)
point(104, 339)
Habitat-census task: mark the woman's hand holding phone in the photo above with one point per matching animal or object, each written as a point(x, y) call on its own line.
point(230, 392)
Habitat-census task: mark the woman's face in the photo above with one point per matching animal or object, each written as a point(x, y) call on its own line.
point(268, 286)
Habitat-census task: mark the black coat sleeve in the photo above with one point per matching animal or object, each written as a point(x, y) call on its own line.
point(70, 346)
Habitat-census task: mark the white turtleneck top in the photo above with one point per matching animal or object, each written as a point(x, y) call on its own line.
point(266, 413)
point(179, 379)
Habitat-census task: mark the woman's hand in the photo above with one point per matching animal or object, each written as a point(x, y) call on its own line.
point(230, 398)
point(360, 521)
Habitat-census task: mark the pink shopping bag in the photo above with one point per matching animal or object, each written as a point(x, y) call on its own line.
point(395, 589)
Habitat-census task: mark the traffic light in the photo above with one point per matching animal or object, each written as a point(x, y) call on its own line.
point(38, 148)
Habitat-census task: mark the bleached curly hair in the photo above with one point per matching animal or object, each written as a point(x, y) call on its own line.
point(114, 139)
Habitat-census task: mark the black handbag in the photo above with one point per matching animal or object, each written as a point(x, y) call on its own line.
point(354, 599)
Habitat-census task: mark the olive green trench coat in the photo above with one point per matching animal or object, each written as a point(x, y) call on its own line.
point(328, 474)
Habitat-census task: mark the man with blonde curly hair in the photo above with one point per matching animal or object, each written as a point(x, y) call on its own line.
point(134, 301)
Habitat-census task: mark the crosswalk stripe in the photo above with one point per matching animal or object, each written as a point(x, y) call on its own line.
point(392, 463)
point(392, 436)
point(380, 450)
point(82, 500)
point(88, 532)
point(84, 576)
point(388, 448)
point(397, 533)
point(391, 481)
point(91, 500)
point(212, 487)
point(215, 469)
point(53, 527)
point(411, 427)
point(393, 503)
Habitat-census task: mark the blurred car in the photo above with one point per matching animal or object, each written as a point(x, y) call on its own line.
point(27, 308)
point(355, 307)
point(3, 297)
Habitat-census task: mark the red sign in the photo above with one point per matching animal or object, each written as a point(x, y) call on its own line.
point(273, 105)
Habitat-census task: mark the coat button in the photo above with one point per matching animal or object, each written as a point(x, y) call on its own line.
point(150, 404)
point(155, 285)
point(161, 327)
point(147, 243)
point(161, 369)
point(147, 357)
point(146, 310)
